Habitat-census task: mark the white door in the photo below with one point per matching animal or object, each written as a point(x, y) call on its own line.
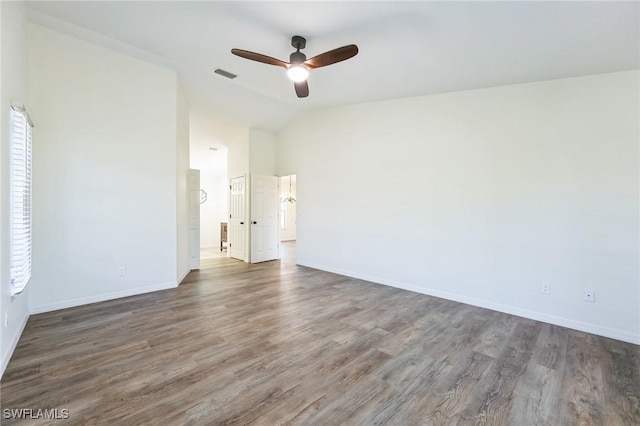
point(265, 238)
point(194, 219)
point(238, 223)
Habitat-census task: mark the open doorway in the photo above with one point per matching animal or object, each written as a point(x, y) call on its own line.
point(211, 160)
point(288, 217)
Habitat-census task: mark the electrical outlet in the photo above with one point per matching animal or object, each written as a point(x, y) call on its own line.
point(122, 271)
point(546, 288)
point(589, 295)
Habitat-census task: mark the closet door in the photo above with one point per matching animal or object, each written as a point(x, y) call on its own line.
point(265, 236)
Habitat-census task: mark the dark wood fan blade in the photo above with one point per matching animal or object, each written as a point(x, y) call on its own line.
point(259, 57)
point(302, 89)
point(333, 56)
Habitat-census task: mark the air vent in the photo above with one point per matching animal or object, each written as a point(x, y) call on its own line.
point(225, 73)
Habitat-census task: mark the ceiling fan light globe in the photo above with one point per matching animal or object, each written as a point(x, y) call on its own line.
point(297, 73)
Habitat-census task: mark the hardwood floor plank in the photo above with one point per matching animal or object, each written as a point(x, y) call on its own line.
point(582, 383)
point(449, 398)
point(537, 394)
point(408, 392)
point(494, 339)
point(622, 382)
point(494, 396)
point(551, 348)
point(276, 343)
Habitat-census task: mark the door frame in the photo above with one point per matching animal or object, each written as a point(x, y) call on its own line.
point(248, 177)
point(193, 189)
point(247, 212)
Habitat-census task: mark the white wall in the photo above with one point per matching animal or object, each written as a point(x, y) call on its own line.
point(105, 167)
point(182, 193)
point(238, 156)
point(253, 152)
point(262, 152)
point(14, 86)
point(481, 196)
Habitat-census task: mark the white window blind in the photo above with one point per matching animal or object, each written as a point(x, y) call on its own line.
point(20, 199)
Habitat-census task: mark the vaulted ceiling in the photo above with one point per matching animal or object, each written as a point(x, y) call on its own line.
point(406, 48)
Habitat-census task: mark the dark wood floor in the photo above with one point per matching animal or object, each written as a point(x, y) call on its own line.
point(276, 343)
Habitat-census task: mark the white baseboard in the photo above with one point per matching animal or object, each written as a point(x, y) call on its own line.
point(101, 297)
point(183, 275)
point(613, 333)
point(12, 346)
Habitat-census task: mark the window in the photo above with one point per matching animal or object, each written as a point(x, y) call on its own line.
point(20, 198)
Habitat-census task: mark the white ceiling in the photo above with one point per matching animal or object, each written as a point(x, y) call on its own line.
point(209, 160)
point(406, 48)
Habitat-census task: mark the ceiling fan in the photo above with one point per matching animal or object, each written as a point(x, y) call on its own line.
point(298, 66)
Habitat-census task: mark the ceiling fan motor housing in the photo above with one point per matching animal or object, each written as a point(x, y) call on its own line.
point(298, 42)
point(297, 58)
